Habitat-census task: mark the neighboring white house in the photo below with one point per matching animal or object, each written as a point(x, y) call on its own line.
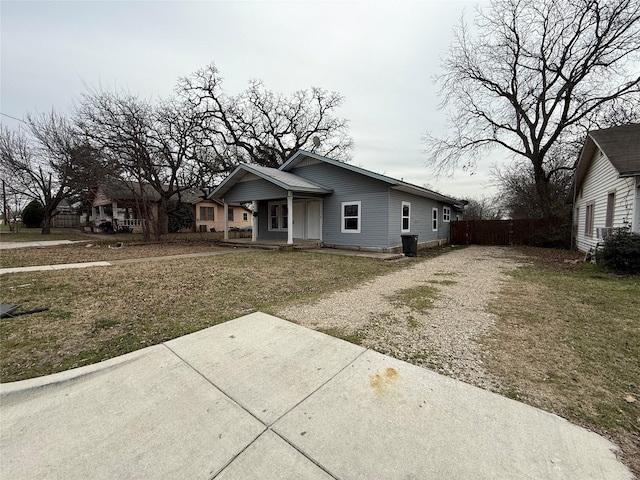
point(606, 187)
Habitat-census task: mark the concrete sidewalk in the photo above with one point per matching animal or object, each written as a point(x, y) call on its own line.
point(260, 397)
point(66, 266)
point(40, 243)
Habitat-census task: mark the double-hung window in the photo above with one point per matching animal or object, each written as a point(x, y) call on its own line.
point(206, 214)
point(446, 214)
point(588, 219)
point(351, 216)
point(230, 214)
point(611, 206)
point(406, 217)
point(278, 216)
point(434, 219)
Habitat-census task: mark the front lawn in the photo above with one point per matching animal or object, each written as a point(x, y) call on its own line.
point(568, 341)
point(24, 234)
point(99, 313)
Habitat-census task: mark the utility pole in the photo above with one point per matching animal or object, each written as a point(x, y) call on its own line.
point(4, 206)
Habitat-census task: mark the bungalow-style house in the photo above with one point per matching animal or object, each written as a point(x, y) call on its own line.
point(119, 202)
point(315, 198)
point(210, 216)
point(606, 186)
point(122, 201)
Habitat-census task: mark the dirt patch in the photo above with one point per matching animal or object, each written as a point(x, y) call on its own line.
point(429, 314)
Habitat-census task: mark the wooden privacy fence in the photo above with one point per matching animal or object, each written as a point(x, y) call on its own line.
point(498, 232)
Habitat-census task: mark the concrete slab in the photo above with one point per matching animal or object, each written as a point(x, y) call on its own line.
point(148, 415)
point(62, 266)
point(259, 397)
point(270, 457)
point(357, 253)
point(41, 243)
point(383, 418)
point(264, 363)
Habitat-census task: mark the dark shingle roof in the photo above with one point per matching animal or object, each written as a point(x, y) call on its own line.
point(621, 145)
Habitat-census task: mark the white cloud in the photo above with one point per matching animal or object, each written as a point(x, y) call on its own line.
point(381, 56)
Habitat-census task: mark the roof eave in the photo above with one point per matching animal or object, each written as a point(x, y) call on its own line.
point(631, 173)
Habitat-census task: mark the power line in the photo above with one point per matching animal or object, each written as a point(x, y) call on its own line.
point(14, 118)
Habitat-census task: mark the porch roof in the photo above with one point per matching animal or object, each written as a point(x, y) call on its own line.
point(286, 180)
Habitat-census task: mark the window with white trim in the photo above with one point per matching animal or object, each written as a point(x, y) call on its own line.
point(351, 212)
point(278, 216)
point(446, 214)
point(405, 226)
point(245, 216)
point(434, 219)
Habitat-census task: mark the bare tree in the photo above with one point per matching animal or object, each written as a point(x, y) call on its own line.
point(518, 197)
point(40, 162)
point(540, 73)
point(262, 127)
point(148, 145)
point(483, 208)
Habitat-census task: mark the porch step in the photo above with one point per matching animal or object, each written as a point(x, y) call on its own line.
point(261, 246)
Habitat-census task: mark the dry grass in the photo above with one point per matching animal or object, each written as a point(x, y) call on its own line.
point(567, 337)
point(99, 313)
point(98, 247)
point(568, 341)
point(98, 251)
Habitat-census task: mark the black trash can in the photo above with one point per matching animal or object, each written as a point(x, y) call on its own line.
point(410, 245)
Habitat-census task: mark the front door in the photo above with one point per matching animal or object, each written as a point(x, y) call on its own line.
point(313, 220)
point(298, 219)
point(307, 219)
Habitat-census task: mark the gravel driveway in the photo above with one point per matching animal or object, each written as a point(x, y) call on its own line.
point(441, 337)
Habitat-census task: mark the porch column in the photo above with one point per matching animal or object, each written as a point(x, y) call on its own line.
point(290, 217)
point(101, 212)
point(226, 220)
point(254, 221)
point(114, 207)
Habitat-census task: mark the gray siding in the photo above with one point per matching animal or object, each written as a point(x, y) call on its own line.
point(380, 208)
point(420, 218)
point(351, 187)
point(254, 190)
point(263, 223)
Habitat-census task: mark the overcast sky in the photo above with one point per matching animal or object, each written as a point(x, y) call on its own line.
point(381, 56)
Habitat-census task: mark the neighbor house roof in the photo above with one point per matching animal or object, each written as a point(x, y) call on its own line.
point(119, 190)
point(401, 185)
point(621, 146)
point(285, 180)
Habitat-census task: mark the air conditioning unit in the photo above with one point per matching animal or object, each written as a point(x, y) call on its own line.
point(603, 232)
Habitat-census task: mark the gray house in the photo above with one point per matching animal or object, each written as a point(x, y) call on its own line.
point(315, 198)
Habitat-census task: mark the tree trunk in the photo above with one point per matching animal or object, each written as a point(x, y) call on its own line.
point(542, 189)
point(46, 224)
point(162, 225)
